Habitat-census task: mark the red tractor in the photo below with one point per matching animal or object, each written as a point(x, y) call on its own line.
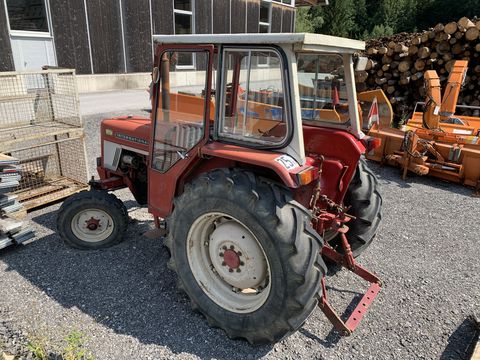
point(251, 165)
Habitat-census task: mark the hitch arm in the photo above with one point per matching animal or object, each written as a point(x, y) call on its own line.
point(347, 327)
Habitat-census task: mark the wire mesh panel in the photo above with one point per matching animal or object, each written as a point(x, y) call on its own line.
point(40, 124)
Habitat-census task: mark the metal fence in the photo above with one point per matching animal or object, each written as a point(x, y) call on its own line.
point(40, 124)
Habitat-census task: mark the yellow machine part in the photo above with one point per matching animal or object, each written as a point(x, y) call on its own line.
point(385, 110)
point(440, 111)
point(436, 142)
point(431, 116)
point(454, 159)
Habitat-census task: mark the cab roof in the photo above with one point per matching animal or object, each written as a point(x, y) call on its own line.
point(299, 41)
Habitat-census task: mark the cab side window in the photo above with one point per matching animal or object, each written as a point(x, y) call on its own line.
point(179, 121)
point(253, 106)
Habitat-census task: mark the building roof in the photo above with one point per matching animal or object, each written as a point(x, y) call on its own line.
point(300, 41)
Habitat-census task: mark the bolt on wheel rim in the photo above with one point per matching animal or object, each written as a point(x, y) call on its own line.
point(228, 263)
point(92, 225)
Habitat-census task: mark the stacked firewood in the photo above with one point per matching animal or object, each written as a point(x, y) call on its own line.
point(397, 64)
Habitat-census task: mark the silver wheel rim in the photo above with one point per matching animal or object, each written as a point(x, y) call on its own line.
point(228, 263)
point(92, 225)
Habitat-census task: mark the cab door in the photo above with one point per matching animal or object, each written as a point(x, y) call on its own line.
point(180, 118)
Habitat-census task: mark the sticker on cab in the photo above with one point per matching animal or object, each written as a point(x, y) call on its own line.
point(287, 162)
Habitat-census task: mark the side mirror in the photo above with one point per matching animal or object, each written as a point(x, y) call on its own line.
point(155, 75)
point(361, 63)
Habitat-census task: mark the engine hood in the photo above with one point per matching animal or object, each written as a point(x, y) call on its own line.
point(131, 131)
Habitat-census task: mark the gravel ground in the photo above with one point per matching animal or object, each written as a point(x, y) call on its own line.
point(125, 302)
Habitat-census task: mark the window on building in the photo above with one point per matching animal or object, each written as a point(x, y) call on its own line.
point(27, 15)
point(183, 15)
point(285, 2)
point(265, 16)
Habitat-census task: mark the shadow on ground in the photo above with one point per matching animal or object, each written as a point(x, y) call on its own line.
point(466, 333)
point(127, 288)
point(390, 175)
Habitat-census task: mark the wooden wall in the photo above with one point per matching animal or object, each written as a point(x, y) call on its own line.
point(138, 35)
point(71, 38)
point(203, 17)
point(288, 18)
point(253, 16)
point(105, 36)
point(277, 13)
point(221, 17)
point(162, 16)
point(238, 16)
point(6, 56)
point(105, 29)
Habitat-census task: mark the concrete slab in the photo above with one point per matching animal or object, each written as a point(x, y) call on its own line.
point(102, 102)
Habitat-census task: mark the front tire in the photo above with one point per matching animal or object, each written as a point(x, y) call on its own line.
point(246, 255)
point(92, 220)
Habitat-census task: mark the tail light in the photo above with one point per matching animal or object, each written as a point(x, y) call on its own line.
point(306, 176)
point(371, 143)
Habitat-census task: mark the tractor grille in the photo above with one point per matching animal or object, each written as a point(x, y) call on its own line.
point(188, 135)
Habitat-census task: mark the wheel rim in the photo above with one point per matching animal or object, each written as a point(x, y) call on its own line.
point(92, 225)
point(228, 263)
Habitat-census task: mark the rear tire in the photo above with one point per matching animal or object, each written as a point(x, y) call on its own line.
point(92, 220)
point(363, 195)
point(257, 217)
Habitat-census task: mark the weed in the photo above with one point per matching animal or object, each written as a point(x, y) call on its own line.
point(74, 349)
point(38, 346)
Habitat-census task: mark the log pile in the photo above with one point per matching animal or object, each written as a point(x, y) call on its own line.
point(397, 64)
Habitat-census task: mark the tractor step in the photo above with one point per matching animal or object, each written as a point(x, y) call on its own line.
point(347, 327)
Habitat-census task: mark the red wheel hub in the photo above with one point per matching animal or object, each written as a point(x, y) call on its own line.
point(93, 224)
point(231, 259)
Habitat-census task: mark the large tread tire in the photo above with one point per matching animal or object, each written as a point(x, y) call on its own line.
point(92, 199)
point(364, 197)
point(281, 225)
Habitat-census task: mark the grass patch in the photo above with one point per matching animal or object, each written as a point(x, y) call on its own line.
point(72, 349)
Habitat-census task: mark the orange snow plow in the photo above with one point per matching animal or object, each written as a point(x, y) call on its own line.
point(434, 142)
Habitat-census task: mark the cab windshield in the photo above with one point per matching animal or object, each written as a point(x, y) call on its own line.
point(322, 88)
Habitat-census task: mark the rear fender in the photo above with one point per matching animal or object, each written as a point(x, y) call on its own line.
point(284, 166)
point(341, 152)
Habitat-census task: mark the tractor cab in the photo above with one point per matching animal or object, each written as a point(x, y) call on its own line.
point(261, 90)
point(251, 165)
point(264, 96)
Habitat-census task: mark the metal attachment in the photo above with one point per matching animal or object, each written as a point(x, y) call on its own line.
point(346, 328)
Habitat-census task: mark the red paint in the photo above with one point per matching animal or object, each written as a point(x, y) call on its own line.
point(231, 259)
point(135, 127)
point(341, 151)
point(107, 182)
point(261, 158)
point(93, 223)
point(162, 187)
point(347, 327)
point(371, 143)
point(335, 152)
